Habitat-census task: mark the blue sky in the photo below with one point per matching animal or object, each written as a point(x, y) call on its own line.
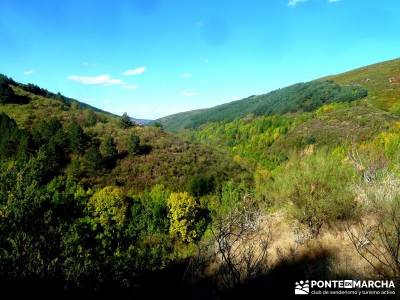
point(157, 57)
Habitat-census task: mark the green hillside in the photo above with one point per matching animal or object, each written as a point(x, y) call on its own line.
point(382, 81)
point(299, 97)
point(163, 156)
point(266, 140)
point(272, 187)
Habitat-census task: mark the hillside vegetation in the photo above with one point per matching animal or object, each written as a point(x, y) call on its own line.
point(303, 183)
point(301, 97)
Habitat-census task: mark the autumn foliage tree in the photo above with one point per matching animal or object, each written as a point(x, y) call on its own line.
point(109, 205)
point(183, 212)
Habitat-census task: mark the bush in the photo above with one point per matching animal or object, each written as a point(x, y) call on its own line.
point(319, 186)
point(377, 240)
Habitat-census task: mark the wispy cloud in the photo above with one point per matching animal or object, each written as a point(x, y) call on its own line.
point(29, 72)
point(105, 80)
point(187, 75)
point(137, 71)
point(295, 2)
point(96, 80)
point(189, 94)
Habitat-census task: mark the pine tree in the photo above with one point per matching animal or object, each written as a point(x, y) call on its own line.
point(125, 122)
point(77, 138)
point(133, 144)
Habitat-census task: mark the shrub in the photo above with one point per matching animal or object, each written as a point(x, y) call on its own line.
point(377, 239)
point(319, 188)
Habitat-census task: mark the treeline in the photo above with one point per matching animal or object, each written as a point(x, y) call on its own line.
point(7, 95)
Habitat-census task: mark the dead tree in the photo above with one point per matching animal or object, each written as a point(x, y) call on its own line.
point(378, 242)
point(241, 244)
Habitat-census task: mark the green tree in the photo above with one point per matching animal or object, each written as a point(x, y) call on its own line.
point(6, 93)
point(92, 161)
point(78, 139)
point(133, 144)
point(125, 122)
point(14, 142)
point(90, 118)
point(109, 150)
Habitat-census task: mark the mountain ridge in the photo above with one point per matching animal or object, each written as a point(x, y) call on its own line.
point(356, 77)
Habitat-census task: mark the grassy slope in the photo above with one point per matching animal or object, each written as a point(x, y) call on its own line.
point(170, 161)
point(382, 81)
point(359, 122)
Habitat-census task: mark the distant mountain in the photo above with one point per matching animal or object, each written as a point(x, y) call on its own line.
point(141, 121)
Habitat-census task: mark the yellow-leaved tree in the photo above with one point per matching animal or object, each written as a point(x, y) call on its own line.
point(182, 212)
point(109, 205)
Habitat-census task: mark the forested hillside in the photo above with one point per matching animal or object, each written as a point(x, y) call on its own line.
point(90, 201)
point(303, 182)
point(301, 97)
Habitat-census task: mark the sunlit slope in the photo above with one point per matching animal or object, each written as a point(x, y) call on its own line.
point(382, 81)
point(165, 158)
point(301, 97)
point(269, 140)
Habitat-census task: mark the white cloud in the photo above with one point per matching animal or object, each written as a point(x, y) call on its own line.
point(29, 72)
point(189, 94)
point(96, 80)
point(187, 75)
point(136, 71)
point(295, 2)
point(102, 80)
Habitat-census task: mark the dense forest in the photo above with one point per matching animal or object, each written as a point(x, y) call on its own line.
point(302, 182)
